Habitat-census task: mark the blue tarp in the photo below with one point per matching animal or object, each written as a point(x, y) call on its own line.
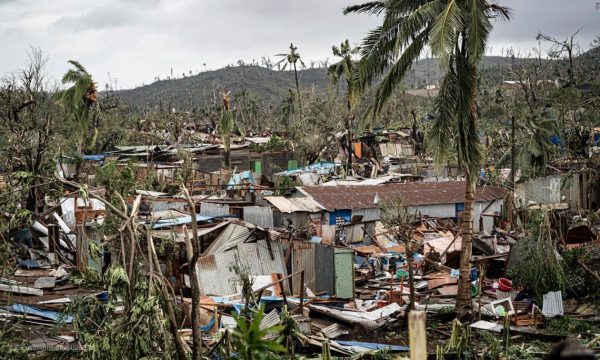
point(94, 157)
point(47, 314)
point(210, 325)
point(179, 221)
point(320, 168)
point(374, 346)
point(344, 214)
point(29, 264)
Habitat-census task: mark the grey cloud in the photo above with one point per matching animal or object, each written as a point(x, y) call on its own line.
point(98, 18)
point(135, 40)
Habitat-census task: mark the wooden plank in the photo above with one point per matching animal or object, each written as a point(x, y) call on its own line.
point(21, 290)
point(436, 283)
point(451, 290)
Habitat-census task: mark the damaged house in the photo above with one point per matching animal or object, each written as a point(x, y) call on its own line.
point(351, 212)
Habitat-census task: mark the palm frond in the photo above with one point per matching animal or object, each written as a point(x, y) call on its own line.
point(396, 73)
point(381, 47)
point(78, 66)
point(440, 137)
point(371, 8)
point(501, 12)
point(445, 29)
point(470, 150)
point(478, 30)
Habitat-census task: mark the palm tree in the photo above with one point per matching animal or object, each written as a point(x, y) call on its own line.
point(291, 59)
point(346, 68)
point(78, 100)
point(226, 127)
point(533, 143)
point(456, 31)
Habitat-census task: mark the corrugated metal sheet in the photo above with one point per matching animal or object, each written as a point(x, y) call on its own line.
point(324, 263)
point(231, 236)
point(362, 197)
point(216, 210)
point(318, 264)
point(290, 205)
point(179, 236)
point(334, 331)
point(186, 219)
point(303, 257)
point(259, 215)
point(258, 258)
point(271, 319)
point(215, 276)
point(344, 273)
point(553, 304)
point(367, 214)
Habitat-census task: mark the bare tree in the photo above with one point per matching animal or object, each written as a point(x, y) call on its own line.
point(562, 48)
point(27, 126)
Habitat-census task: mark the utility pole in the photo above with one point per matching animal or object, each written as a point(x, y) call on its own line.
point(512, 167)
point(512, 153)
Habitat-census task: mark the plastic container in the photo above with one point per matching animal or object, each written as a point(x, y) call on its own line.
point(474, 290)
point(505, 285)
point(474, 274)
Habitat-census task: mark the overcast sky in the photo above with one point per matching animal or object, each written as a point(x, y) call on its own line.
point(136, 40)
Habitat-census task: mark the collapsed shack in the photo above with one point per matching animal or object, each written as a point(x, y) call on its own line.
point(322, 255)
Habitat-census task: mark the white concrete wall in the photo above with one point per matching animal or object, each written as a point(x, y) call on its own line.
point(441, 210)
point(541, 190)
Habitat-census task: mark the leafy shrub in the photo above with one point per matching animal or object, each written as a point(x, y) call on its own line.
point(252, 342)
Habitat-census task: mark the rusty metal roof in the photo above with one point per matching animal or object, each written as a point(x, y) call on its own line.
point(413, 194)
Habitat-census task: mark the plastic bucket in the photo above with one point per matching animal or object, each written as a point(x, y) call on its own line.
point(505, 285)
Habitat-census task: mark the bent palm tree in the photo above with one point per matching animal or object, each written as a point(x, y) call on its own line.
point(292, 58)
point(346, 68)
point(78, 100)
point(457, 32)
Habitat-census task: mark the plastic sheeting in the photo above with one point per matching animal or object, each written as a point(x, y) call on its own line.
point(47, 314)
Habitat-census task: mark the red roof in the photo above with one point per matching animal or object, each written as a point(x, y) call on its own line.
point(414, 194)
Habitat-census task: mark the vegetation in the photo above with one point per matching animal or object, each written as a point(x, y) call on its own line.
point(544, 117)
point(252, 342)
point(457, 33)
point(77, 101)
point(540, 270)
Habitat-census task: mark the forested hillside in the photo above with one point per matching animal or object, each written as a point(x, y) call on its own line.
point(269, 85)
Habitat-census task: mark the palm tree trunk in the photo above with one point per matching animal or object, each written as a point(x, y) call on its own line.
point(464, 305)
point(463, 300)
point(193, 252)
point(298, 90)
point(227, 150)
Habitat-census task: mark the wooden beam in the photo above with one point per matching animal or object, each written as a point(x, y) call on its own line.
point(417, 335)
